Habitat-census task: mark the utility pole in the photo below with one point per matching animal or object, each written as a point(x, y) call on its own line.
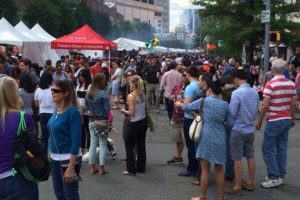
point(267, 39)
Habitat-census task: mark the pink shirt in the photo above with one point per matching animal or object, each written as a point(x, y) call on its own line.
point(169, 80)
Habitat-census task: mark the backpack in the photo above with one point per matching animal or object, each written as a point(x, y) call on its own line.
point(29, 159)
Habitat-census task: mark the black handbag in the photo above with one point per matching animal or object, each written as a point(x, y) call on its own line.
point(29, 159)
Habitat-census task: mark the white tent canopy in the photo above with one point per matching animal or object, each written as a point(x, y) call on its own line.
point(128, 44)
point(42, 33)
point(9, 35)
point(46, 51)
point(21, 27)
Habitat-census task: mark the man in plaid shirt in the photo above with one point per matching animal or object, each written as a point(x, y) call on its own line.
point(177, 120)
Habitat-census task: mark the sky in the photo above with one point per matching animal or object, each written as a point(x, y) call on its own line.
point(176, 8)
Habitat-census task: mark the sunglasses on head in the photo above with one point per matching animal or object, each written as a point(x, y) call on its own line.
point(56, 90)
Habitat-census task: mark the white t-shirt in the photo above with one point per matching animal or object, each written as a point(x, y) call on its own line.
point(45, 100)
point(117, 73)
point(81, 93)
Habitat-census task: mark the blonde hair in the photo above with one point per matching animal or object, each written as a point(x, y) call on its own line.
point(9, 96)
point(137, 83)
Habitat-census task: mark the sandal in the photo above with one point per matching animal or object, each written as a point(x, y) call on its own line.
point(128, 173)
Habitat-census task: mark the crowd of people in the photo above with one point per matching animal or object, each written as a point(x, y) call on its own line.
point(71, 104)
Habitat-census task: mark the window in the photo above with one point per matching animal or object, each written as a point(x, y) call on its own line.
point(151, 1)
point(158, 14)
point(144, 1)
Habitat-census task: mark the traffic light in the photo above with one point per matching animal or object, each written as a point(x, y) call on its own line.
point(274, 37)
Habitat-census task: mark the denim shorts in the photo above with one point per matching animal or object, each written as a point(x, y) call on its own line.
point(115, 88)
point(241, 144)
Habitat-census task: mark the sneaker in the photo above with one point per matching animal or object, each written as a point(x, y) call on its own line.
point(113, 153)
point(186, 173)
point(175, 160)
point(267, 179)
point(272, 183)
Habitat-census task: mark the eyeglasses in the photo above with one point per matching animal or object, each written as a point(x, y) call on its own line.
point(56, 90)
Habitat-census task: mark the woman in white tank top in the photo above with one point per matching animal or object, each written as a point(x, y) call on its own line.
point(137, 128)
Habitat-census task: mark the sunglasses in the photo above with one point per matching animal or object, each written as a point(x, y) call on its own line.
point(56, 90)
point(184, 75)
point(129, 75)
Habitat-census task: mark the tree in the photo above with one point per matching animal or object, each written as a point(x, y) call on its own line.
point(10, 10)
point(238, 22)
point(83, 15)
point(46, 14)
point(67, 13)
point(102, 23)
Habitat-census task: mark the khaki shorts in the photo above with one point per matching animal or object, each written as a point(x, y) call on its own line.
point(177, 131)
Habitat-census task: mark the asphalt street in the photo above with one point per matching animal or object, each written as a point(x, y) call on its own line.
point(160, 182)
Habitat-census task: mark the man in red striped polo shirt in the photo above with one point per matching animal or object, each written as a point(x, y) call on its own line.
point(278, 106)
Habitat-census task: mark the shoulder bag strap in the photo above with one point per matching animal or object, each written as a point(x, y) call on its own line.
point(22, 123)
point(201, 106)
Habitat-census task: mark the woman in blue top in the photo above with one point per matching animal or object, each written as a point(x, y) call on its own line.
point(98, 105)
point(65, 139)
point(212, 144)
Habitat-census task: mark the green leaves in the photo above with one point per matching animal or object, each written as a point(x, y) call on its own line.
point(10, 10)
point(238, 22)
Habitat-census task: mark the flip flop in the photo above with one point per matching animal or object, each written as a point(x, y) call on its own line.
point(128, 173)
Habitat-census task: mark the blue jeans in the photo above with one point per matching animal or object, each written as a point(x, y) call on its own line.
point(169, 107)
point(274, 147)
point(44, 118)
point(193, 163)
point(62, 190)
point(229, 165)
point(102, 146)
point(19, 188)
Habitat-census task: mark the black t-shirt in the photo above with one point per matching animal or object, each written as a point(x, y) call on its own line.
point(150, 74)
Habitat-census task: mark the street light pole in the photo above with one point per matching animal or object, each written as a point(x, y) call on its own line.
point(267, 40)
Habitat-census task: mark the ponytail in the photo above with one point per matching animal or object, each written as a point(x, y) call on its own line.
point(137, 83)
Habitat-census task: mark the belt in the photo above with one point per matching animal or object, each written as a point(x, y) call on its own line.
point(98, 118)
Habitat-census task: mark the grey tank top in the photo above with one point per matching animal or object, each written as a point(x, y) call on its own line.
point(140, 110)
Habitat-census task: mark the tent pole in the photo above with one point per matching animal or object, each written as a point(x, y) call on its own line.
point(109, 65)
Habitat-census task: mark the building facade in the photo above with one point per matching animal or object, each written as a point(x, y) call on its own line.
point(140, 11)
point(165, 14)
point(99, 6)
point(191, 20)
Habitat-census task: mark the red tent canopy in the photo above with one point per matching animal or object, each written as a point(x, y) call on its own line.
point(83, 38)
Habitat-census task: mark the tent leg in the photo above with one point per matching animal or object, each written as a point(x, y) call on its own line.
point(109, 64)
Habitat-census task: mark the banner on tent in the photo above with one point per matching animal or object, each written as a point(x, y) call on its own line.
point(80, 46)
